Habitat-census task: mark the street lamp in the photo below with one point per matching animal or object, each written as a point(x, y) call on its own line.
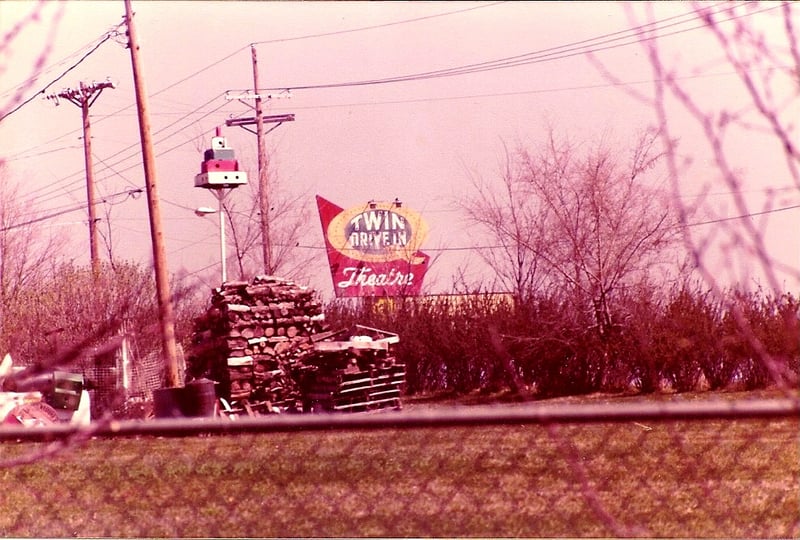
point(205, 211)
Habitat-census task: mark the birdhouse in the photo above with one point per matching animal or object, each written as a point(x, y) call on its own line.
point(219, 169)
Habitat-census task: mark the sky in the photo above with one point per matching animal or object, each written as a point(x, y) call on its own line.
point(575, 66)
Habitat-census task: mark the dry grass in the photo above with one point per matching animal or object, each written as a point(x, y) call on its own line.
point(699, 479)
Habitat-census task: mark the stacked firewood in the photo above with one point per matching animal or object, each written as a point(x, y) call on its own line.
point(253, 339)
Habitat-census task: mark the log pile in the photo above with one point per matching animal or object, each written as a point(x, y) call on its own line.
point(253, 339)
point(265, 344)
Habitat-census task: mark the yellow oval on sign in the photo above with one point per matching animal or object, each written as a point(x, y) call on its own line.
point(377, 232)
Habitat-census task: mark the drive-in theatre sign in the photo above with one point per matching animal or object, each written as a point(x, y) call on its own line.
point(373, 249)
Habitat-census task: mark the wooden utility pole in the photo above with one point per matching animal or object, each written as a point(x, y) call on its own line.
point(166, 316)
point(84, 96)
point(263, 162)
point(263, 173)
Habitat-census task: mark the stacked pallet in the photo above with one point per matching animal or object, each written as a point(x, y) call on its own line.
point(253, 338)
point(357, 373)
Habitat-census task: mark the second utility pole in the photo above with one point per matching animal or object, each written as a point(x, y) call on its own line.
point(263, 173)
point(263, 162)
point(84, 96)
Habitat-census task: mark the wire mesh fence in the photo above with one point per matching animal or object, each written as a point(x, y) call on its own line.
point(677, 467)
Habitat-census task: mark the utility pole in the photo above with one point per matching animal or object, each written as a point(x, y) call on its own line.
point(166, 316)
point(263, 173)
point(84, 96)
point(263, 163)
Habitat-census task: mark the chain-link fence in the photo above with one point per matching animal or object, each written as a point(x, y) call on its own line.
point(673, 466)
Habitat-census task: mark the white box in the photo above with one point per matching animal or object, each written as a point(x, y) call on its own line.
point(220, 179)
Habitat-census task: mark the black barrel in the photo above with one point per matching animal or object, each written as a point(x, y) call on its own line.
point(201, 398)
point(169, 402)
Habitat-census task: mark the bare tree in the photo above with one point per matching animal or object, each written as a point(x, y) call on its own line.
point(515, 227)
point(759, 44)
point(581, 218)
point(289, 222)
point(27, 252)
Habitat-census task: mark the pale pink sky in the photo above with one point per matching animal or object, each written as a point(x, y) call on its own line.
point(416, 140)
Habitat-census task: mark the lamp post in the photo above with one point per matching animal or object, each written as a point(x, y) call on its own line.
point(219, 173)
point(204, 211)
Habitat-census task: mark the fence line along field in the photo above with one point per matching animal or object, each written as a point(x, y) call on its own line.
point(716, 476)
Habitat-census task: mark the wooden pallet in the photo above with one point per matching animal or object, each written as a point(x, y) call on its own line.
point(343, 391)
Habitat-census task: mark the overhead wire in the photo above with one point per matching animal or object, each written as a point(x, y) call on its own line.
point(353, 30)
point(308, 36)
point(30, 154)
point(376, 26)
point(51, 67)
point(511, 93)
point(452, 71)
point(633, 35)
point(500, 246)
point(459, 70)
point(129, 193)
point(35, 15)
point(298, 38)
point(46, 196)
point(91, 51)
point(743, 216)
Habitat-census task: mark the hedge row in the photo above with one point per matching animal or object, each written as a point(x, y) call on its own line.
point(688, 341)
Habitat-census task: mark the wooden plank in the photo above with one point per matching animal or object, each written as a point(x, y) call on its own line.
point(356, 381)
point(364, 404)
point(385, 393)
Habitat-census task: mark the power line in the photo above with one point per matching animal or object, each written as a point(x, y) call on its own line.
point(310, 36)
point(399, 22)
point(412, 20)
point(744, 216)
point(162, 152)
point(114, 171)
point(11, 35)
point(24, 155)
point(49, 195)
point(633, 35)
point(118, 172)
point(130, 193)
point(500, 246)
point(376, 26)
point(516, 92)
point(108, 36)
point(45, 69)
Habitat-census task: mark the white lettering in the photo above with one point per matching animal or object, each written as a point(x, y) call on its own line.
point(378, 239)
point(367, 277)
point(355, 222)
point(373, 220)
point(398, 222)
point(378, 228)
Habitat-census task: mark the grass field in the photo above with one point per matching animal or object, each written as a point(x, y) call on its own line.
point(710, 478)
